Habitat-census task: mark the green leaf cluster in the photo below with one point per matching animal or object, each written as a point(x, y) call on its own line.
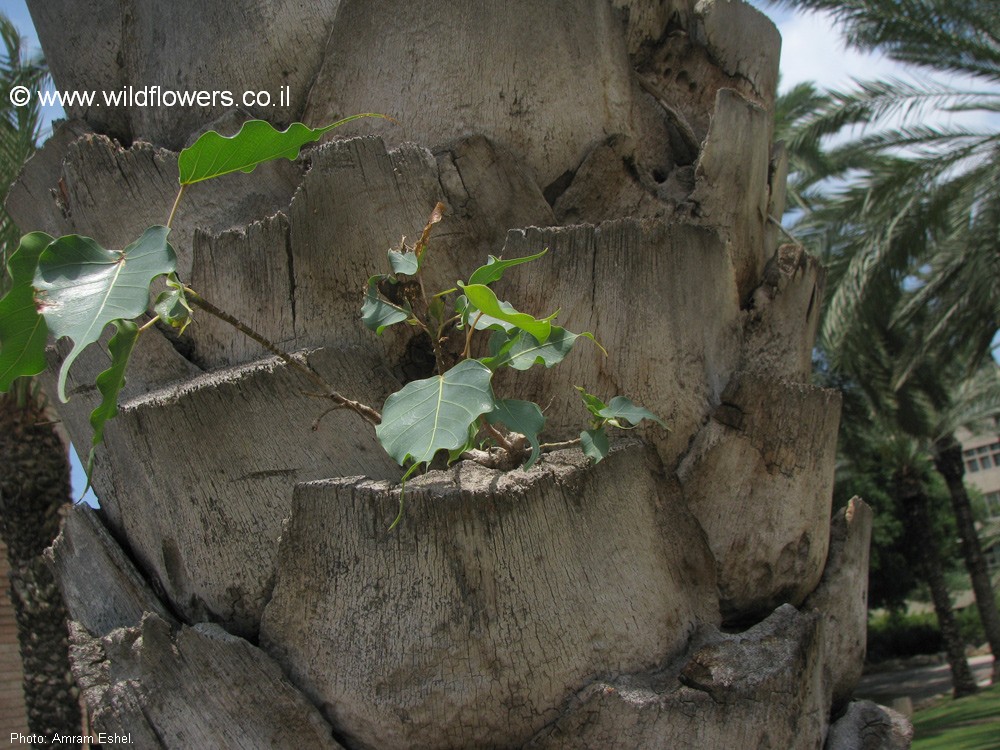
point(620, 412)
point(456, 410)
point(73, 287)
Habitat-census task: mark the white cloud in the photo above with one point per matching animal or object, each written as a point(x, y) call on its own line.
point(813, 49)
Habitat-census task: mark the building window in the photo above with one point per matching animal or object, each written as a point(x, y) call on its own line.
point(992, 503)
point(983, 457)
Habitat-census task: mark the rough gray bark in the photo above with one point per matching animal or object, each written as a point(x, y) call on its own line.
point(868, 726)
point(843, 603)
point(570, 606)
point(517, 588)
point(766, 442)
point(761, 688)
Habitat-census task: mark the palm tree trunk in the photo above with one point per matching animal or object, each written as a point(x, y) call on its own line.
point(948, 461)
point(917, 518)
point(34, 486)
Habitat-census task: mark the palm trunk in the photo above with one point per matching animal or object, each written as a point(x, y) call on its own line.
point(34, 486)
point(948, 461)
point(917, 517)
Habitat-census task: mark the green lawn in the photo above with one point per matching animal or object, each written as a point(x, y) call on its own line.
point(971, 723)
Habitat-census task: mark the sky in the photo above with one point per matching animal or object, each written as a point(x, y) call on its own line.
point(812, 50)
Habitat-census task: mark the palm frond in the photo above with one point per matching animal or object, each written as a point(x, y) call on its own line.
point(958, 36)
point(19, 126)
point(870, 102)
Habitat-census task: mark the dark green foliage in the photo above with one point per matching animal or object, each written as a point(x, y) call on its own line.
point(895, 635)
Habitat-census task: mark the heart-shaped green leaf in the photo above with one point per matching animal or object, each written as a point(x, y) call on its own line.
point(378, 314)
point(494, 268)
point(524, 417)
point(436, 413)
point(621, 408)
point(407, 263)
point(213, 155)
point(23, 332)
point(82, 287)
point(620, 412)
point(495, 313)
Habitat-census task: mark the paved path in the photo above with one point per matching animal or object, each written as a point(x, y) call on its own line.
point(920, 684)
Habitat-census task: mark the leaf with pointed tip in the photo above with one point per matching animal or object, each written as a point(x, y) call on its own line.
point(435, 413)
point(378, 314)
point(214, 155)
point(481, 298)
point(111, 381)
point(23, 332)
point(522, 351)
point(406, 263)
point(495, 267)
point(595, 444)
point(620, 408)
point(524, 417)
point(82, 287)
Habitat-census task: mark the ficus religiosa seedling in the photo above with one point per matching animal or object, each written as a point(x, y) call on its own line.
point(73, 287)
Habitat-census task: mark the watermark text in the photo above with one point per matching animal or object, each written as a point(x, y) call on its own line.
point(151, 96)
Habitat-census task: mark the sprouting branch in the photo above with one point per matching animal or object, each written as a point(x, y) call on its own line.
point(327, 391)
point(498, 437)
point(549, 447)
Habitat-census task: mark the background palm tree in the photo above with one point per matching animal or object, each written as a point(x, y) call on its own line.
point(34, 467)
point(934, 215)
point(906, 218)
point(910, 426)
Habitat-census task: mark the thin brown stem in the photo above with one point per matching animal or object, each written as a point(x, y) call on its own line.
point(149, 323)
point(434, 337)
point(549, 447)
point(327, 391)
point(497, 436)
point(468, 335)
point(173, 210)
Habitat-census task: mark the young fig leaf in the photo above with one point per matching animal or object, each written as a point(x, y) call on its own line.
point(436, 413)
point(495, 267)
point(23, 332)
point(172, 305)
point(592, 402)
point(406, 263)
point(214, 155)
point(436, 215)
point(595, 444)
point(111, 381)
point(376, 313)
point(524, 417)
point(482, 299)
point(82, 287)
point(522, 351)
point(621, 408)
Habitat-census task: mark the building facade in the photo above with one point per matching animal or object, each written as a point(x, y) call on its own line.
point(982, 471)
